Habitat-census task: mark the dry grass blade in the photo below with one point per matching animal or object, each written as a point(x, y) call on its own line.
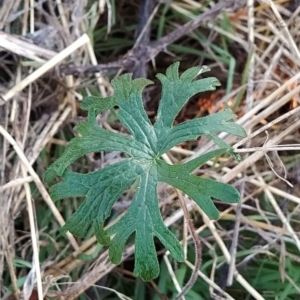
point(25, 48)
point(249, 106)
point(45, 68)
point(38, 183)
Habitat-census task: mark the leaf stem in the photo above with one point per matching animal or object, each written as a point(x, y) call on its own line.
point(198, 248)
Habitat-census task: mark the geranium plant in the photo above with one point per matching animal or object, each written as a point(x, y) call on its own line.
point(143, 164)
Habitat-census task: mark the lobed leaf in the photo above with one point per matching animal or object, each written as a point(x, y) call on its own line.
point(191, 130)
point(144, 166)
point(144, 219)
point(176, 91)
point(128, 96)
point(202, 190)
point(102, 189)
point(95, 139)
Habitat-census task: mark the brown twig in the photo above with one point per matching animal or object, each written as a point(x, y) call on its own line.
point(142, 54)
point(198, 249)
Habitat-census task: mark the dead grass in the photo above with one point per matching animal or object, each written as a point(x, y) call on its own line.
point(268, 30)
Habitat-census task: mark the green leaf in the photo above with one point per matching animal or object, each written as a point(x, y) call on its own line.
point(143, 166)
point(95, 139)
point(177, 90)
point(202, 190)
point(102, 189)
point(195, 163)
point(128, 96)
point(98, 104)
point(191, 130)
point(144, 219)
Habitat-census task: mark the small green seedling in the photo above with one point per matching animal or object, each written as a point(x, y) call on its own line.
point(143, 164)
